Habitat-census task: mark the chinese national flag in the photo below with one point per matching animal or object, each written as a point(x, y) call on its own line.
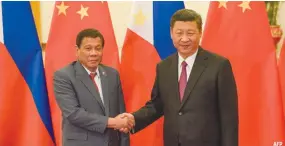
point(240, 31)
point(281, 68)
point(68, 20)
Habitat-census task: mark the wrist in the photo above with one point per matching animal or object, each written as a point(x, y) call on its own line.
point(111, 123)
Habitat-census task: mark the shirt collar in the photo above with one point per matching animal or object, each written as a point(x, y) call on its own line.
point(88, 71)
point(189, 60)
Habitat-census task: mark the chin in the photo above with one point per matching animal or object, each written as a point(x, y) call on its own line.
point(186, 51)
point(93, 65)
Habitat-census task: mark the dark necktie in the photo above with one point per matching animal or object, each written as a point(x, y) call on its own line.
point(183, 80)
point(92, 76)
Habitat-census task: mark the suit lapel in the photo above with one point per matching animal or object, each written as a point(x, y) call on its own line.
point(84, 77)
point(104, 85)
point(197, 70)
point(173, 72)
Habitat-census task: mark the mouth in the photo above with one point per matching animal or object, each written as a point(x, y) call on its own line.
point(185, 46)
point(93, 61)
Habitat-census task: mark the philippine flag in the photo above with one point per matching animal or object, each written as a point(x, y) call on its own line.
point(24, 110)
point(147, 42)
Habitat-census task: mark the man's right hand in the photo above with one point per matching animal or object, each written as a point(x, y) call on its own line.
point(120, 122)
point(131, 119)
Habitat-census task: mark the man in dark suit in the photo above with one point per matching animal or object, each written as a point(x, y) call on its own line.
point(194, 90)
point(89, 95)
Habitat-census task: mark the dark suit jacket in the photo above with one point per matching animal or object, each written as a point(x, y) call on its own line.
point(208, 113)
point(83, 113)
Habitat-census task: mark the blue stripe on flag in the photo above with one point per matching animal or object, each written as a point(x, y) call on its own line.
point(21, 40)
point(162, 12)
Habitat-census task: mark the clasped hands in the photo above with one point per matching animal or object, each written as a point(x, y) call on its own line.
point(123, 122)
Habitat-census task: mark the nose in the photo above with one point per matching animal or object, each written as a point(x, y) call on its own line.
point(93, 52)
point(185, 38)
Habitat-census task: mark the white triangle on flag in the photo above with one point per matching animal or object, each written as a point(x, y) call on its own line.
point(142, 20)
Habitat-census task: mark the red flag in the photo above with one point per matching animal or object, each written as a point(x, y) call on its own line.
point(70, 18)
point(240, 32)
point(281, 69)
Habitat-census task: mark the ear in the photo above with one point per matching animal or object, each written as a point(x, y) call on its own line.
point(171, 33)
point(77, 51)
point(200, 33)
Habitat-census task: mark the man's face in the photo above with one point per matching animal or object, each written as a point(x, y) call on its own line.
point(186, 37)
point(90, 52)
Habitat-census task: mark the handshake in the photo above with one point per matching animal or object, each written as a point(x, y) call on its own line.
point(123, 122)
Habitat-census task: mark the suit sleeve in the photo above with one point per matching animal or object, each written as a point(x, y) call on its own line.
point(152, 110)
point(228, 105)
point(71, 109)
point(124, 138)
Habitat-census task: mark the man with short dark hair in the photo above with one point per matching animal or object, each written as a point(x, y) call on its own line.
point(90, 97)
point(194, 90)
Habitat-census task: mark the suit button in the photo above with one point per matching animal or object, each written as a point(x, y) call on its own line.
point(180, 113)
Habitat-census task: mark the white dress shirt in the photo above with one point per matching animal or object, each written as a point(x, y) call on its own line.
point(97, 81)
point(190, 62)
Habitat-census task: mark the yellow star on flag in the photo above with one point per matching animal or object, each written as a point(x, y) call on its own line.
point(223, 4)
point(83, 12)
point(139, 18)
point(62, 8)
point(244, 5)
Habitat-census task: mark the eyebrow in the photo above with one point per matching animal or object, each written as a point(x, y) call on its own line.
point(186, 30)
point(89, 45)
